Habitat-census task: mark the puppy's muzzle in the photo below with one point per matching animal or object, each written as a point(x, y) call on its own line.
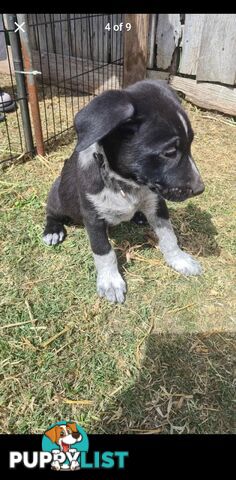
point(194, 186)
point(179, 194)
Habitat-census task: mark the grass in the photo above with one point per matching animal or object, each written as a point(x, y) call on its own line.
point(164, 361)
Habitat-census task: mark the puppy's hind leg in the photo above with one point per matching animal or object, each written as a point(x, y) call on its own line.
point(54, 231)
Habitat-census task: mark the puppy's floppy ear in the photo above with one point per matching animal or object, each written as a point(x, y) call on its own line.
point(101, 116)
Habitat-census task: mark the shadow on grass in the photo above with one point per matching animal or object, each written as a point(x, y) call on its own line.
point(194, 229)
point(185, 385)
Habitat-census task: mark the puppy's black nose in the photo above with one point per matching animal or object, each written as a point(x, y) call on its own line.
point(198, 187)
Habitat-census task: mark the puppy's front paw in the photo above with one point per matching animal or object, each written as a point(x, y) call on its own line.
point(183, 263)
point(54, 232)
point(53, 238)
point(111, 287)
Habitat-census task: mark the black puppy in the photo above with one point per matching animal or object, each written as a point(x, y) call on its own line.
point(133, 151)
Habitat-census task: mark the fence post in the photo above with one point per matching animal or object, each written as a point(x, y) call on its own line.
point(31, 84)
point(135, 48)
point(20, 81)
point(151, 42)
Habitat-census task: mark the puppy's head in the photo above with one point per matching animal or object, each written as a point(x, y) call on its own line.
point(146, 136)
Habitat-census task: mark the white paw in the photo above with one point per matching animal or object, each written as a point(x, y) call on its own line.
point(53, 238)
point(111, 287)
point(183, 263)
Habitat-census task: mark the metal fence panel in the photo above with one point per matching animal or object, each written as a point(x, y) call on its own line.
point(78, 59)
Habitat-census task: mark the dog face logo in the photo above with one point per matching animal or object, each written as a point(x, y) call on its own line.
point(65, 441)
point(64, 435)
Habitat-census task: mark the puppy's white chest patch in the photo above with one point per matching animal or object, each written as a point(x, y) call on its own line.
point(116, 207)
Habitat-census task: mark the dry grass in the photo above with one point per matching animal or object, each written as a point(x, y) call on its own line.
point(164, 361)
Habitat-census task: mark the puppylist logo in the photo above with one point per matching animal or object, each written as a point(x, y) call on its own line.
point(65, 441)
point(65, 447)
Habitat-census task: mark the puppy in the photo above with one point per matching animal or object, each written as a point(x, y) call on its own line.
point(133, 152)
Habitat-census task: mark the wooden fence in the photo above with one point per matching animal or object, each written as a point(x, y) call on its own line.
point(198, 54)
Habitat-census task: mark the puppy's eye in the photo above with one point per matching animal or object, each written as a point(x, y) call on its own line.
point(171, 152)
point(62, 434)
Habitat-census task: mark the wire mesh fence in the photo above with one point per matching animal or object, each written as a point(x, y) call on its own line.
point(13, 97)
point(78, 56)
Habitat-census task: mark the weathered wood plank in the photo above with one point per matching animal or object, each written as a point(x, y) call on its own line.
point(158, 75)
point(100, 38)
point(117, 37)
point(152, 39)
point(62, 33)
point(217, 60)
point(135, 48)
point(32, 30)
point(168, 36)
point(117, 45)
point(43, 31)
point(191, 43)
point(40, 30)
point(80, 41)
point(207, 95)
point(49, 32)
point(55, 66)
point(75, 25)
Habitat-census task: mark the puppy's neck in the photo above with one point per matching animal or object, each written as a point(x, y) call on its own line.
point(111, 179)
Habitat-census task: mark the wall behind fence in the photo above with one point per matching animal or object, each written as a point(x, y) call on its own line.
point(71, 46)
point(78, 35)
point(78, 57)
